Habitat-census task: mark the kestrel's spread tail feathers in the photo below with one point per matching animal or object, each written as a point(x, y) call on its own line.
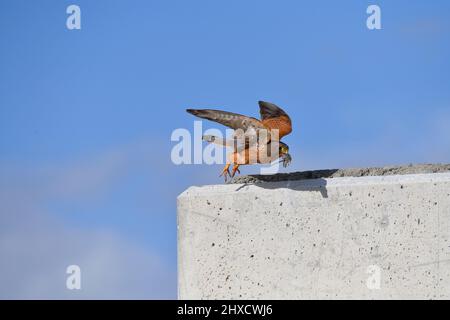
point(273, 118)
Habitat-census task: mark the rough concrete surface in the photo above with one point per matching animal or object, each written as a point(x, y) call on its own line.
point(365, 237)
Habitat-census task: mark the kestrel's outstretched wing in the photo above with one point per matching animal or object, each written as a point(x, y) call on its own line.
point(273, 117)
point(246, 128)
point(232, 120)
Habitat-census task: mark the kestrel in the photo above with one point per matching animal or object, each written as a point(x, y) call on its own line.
point(258, 135)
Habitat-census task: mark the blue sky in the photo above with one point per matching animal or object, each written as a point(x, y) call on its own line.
point(86, 117)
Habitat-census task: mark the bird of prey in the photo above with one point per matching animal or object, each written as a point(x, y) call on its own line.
point(256, 137)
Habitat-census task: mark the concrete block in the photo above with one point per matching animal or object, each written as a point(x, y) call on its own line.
point(369, 237)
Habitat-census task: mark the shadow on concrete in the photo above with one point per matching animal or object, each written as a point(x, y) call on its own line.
point(293, 176)
point(310, 181)
point(313, 185)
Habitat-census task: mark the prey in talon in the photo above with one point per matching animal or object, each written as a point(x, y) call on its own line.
point(285, 158)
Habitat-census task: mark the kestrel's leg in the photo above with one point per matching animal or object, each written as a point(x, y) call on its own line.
point(226, 171)
point(235, 168)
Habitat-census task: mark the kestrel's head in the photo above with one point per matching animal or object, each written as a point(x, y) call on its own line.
point(283, 148)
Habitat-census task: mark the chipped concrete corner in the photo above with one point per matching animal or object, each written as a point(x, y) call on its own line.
point(366, 237)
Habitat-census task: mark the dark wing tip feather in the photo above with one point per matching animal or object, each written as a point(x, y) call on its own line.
point(270, 110)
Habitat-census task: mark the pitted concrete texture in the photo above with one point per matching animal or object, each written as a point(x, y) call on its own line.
point(369, 237)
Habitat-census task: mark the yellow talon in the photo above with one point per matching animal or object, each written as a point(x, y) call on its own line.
point(226, 171)
point(235, 168)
